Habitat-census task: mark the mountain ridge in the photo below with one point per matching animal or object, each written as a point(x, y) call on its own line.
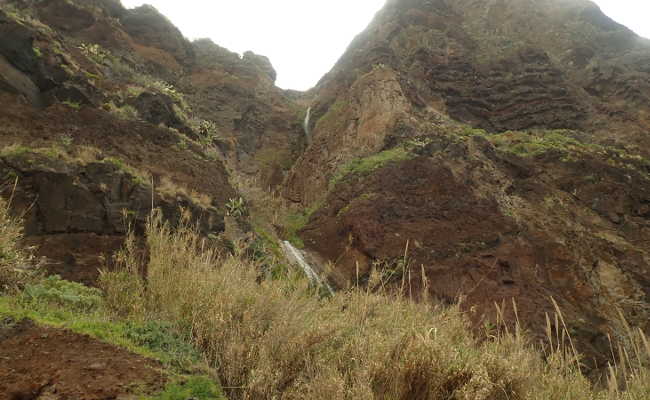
point(503, 144)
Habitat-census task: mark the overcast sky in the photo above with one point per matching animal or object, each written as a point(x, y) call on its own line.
point(304, 38)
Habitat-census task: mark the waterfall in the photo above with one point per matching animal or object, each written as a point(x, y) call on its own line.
point(295, 257)
point(305, 125)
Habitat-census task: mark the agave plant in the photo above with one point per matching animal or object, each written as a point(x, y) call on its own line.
point(236, 207)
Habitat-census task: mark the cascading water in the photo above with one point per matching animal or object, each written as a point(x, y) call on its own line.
point(295, 256)
point(306, 125)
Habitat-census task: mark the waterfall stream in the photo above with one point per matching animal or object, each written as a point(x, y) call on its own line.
point(295, 256)
point(306, 127)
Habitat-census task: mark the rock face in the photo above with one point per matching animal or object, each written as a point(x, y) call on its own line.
point(492, 150)
point(260, 127)
point(503, 144)
point(79, 172)
point(94, 130)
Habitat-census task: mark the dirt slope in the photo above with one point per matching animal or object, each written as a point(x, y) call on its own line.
point(46, 363)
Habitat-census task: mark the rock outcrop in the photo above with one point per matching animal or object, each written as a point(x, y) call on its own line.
point(502, 146)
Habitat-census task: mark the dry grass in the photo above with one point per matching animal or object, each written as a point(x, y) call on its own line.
point(171, 189)
point(276, 339)
point(16, 264)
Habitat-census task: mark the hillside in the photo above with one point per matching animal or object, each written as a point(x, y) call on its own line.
point(106, 109)
point(489, 156)
point(504, 143)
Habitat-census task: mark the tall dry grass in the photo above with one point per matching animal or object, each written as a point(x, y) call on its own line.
point(16, 264)
point(276, 339)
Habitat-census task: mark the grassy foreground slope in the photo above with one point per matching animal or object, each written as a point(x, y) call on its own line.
point(168, 366)
point(276, 338)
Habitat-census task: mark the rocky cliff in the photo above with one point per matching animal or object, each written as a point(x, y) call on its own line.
point(492, 150)
point(108, 111)
point(502, 146)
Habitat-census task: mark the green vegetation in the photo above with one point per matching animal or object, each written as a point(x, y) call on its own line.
point(362, 198)
point(236, 207)
point(362, 166)
point(72, 104)
point(65, 140)
point(63, 304)
point(37, 52)
point(92, 77)
point(207, 130)
point(68, 295)
point(25, 16)
point(530, 144)
point(138, 176)
point(52, 301)
point(160, 86)
point(333, 116)
point(81, 156)
point(95, 52)
point(125, 111)
point(369, 164)
point(274, 157)
point(293, 223)
point(31, 154)
point(199, 388)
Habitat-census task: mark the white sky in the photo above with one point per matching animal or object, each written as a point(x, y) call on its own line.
point(304, 38)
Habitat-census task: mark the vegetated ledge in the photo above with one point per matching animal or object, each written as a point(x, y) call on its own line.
point(78, 205)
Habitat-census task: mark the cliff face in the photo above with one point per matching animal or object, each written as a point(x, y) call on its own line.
point(107, 111)
point(497, 148)
point(503, 143)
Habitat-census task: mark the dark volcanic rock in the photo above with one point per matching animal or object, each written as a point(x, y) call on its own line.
point(87, 209)
point(489, 214)
point(150, 28)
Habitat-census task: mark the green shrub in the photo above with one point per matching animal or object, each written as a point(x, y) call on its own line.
point(160, 338)
point(56, 291)
point(207, 130)
point(95, 52)
point(236, 207)
point(199, 388)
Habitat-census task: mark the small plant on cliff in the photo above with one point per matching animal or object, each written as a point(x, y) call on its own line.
point(72, 104)
point(207, 130)
point(66, 140)
point(95, 52)
point(236, 207)
point(165, 88)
